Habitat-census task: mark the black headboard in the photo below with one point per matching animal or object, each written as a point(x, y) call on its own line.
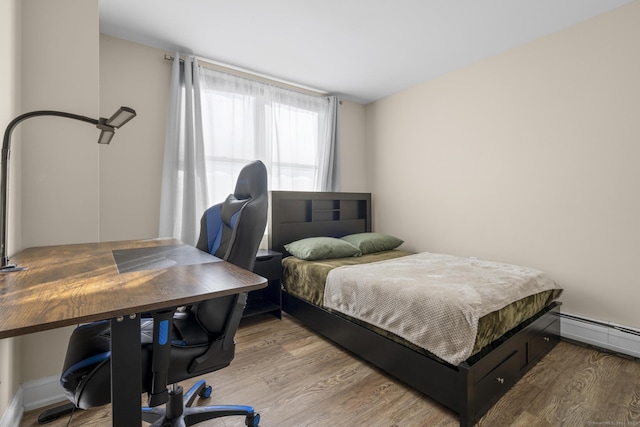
point(295, 215)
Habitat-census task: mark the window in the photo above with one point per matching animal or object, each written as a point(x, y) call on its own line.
point(218, 123)
point(244, 120)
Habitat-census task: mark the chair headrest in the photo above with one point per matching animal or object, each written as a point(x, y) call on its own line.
point(252, 181)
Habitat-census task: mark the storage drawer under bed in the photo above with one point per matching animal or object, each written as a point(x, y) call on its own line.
point(544, 341)
point(497, 382)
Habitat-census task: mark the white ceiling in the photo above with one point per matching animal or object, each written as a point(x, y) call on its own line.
point(362, 50)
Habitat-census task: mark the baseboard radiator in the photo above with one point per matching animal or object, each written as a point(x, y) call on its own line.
point(608, 336)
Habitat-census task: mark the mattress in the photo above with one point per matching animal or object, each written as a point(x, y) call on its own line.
point(306, 280)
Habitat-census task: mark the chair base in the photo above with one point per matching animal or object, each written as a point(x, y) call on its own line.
point(178, 411)
point(55, 413)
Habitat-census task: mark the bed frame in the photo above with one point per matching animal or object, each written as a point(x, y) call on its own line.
point(471, 388)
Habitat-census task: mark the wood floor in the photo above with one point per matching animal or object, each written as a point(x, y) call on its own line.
point(296, 378)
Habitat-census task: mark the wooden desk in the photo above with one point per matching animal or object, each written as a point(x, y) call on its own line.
point(72, 284)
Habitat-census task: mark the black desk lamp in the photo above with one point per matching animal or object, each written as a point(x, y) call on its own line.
point(107, 127)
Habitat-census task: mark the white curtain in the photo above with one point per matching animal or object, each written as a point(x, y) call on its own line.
point(329, 169)
point(184, 184)
point(219, 122)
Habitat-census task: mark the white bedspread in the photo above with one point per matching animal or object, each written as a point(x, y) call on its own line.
point(431, 300)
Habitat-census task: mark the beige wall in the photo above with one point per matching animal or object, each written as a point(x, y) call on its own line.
point(60, 165)
point(529, 157)
point(9, 107)
point(353, 163)
point(131, 166)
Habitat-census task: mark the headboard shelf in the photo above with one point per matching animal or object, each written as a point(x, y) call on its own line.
point(299, 214)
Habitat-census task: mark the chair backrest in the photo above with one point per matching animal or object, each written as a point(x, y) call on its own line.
point(232, 230)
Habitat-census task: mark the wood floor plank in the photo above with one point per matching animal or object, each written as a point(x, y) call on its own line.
point(295, 378)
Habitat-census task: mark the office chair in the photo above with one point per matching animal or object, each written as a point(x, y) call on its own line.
point(202, 338)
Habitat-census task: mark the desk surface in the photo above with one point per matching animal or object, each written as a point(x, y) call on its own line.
point(71, 284)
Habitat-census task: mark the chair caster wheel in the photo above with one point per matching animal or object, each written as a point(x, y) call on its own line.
point(205, 392)
point(252, 420)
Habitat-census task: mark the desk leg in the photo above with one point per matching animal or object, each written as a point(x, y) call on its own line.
point(126, 387)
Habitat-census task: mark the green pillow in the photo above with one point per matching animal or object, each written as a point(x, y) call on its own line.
point(373, 242)
point(316, 248)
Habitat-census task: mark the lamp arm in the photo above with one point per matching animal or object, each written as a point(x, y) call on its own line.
point(6, 147)
point(6, 142)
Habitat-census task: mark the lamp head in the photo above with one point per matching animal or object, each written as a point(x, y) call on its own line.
point(106, 133)
point(120, 117)
point(108, 126)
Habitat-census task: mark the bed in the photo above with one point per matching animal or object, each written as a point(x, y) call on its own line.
point(469, 387)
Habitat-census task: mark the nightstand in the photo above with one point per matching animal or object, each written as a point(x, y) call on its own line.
point(266, 300)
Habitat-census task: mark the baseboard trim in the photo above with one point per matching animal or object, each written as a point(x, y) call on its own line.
point(32, 395)
point(13, 414)
point(605, 335)
point(42, 392)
